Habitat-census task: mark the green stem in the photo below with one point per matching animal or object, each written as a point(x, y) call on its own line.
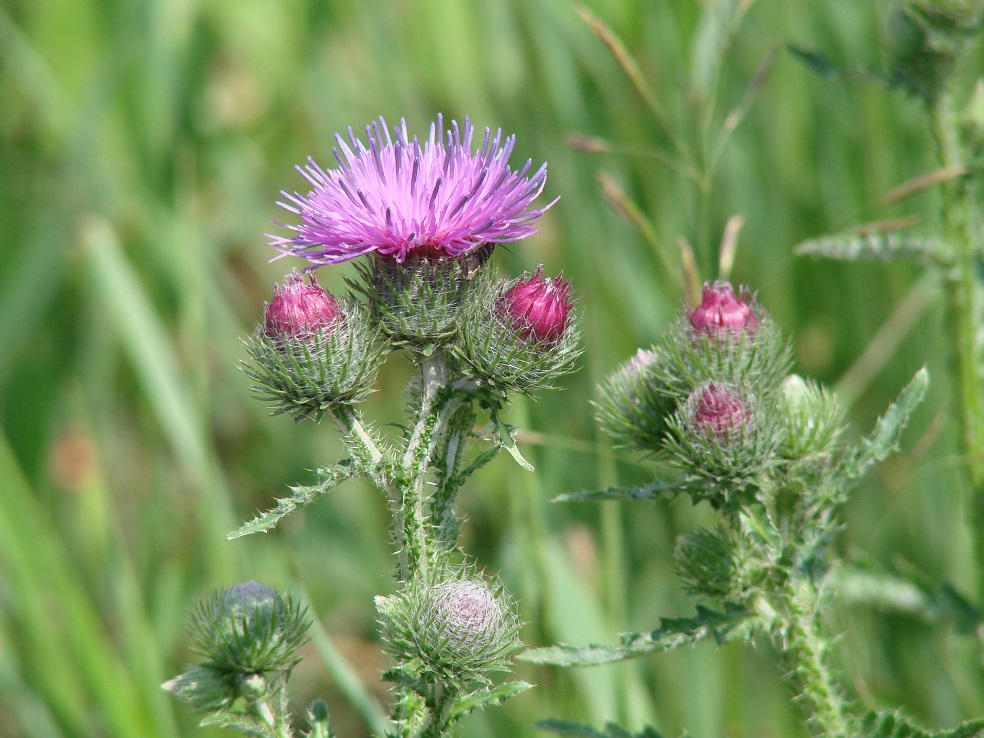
point(364, 448)
point(963, 311)
point(416, 459)
point(805, 653)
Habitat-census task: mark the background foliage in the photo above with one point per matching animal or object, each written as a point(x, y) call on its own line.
point(143, 144)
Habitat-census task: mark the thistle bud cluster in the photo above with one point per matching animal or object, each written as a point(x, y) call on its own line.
point(714, 400)
point(315, 353)
point(705, 394)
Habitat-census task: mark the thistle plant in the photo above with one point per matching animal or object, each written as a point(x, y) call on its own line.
point(715, 403)
point(424, 219)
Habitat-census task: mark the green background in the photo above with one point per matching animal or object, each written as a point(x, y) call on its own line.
point(142, 148)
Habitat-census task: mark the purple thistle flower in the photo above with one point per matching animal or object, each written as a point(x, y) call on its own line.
point(403, 199)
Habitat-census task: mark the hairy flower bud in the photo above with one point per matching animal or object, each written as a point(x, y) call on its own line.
point(632, 405)
point(538, 307)
point(460, 628)
point(249, 628)
point(716, 410)
point(518, 335)
point(312, 353)
point(722, 312)
point(248, 635)
point(299, 308)
point(466, 613)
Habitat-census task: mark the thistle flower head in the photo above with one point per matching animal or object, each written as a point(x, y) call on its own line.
point(538, 307)
point(721, 311)
point(404, 199)
point(299, 308)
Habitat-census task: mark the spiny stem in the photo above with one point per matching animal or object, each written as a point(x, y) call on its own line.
point(805, 653)
point(362, 445)
point(416, 459)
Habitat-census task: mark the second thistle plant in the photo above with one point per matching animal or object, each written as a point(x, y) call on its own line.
point(715, 402)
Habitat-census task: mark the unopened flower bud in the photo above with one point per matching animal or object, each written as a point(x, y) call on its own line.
point(461, 627)
point(466, 613)
point(300, 308)
point(722, 312)
point(249, 628)
point(539, 307)
point(632, 405)
point(716, 410)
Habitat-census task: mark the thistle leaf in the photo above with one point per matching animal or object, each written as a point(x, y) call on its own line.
point(490, 696)
point(884, 439)
point(506, 436)
point(734, 622)
point(611, 730)
point(656, 490)
point(873, 247)
point(302, 497)
point(816, 62)
point(893, 725)
point(909, 594)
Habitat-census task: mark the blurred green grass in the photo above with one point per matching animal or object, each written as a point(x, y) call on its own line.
point(143, 145)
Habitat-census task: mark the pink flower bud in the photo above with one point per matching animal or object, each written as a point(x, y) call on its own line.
point(466, 612)
point(721, 312)
point(717, 410)
point(299, 308)
point(539, 306)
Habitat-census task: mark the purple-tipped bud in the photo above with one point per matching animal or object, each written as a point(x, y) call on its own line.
point(300, 308)
point(466, 612)
point(539, 307)
point(717, 410)
point(721, 311)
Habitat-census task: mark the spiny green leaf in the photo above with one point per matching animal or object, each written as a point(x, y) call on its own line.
point(884, 439)
point(507, 439)
point(906, 593)
point(816, 62)
point(734, 622)
point(653, 491)
point(302, 497)
point(491, 696)
point(873, 246)
point(611, 730)
point(893, 725)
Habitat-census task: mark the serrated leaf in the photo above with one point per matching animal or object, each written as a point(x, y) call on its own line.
point(873, 247)
point(732, 623)
point(893, 725)
point(611, 730)
point(920, 597)
point(506, 435)
point(815, 62)
point(654, 491)
point(884, 439)
point(491, 696)
point(302, 497)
